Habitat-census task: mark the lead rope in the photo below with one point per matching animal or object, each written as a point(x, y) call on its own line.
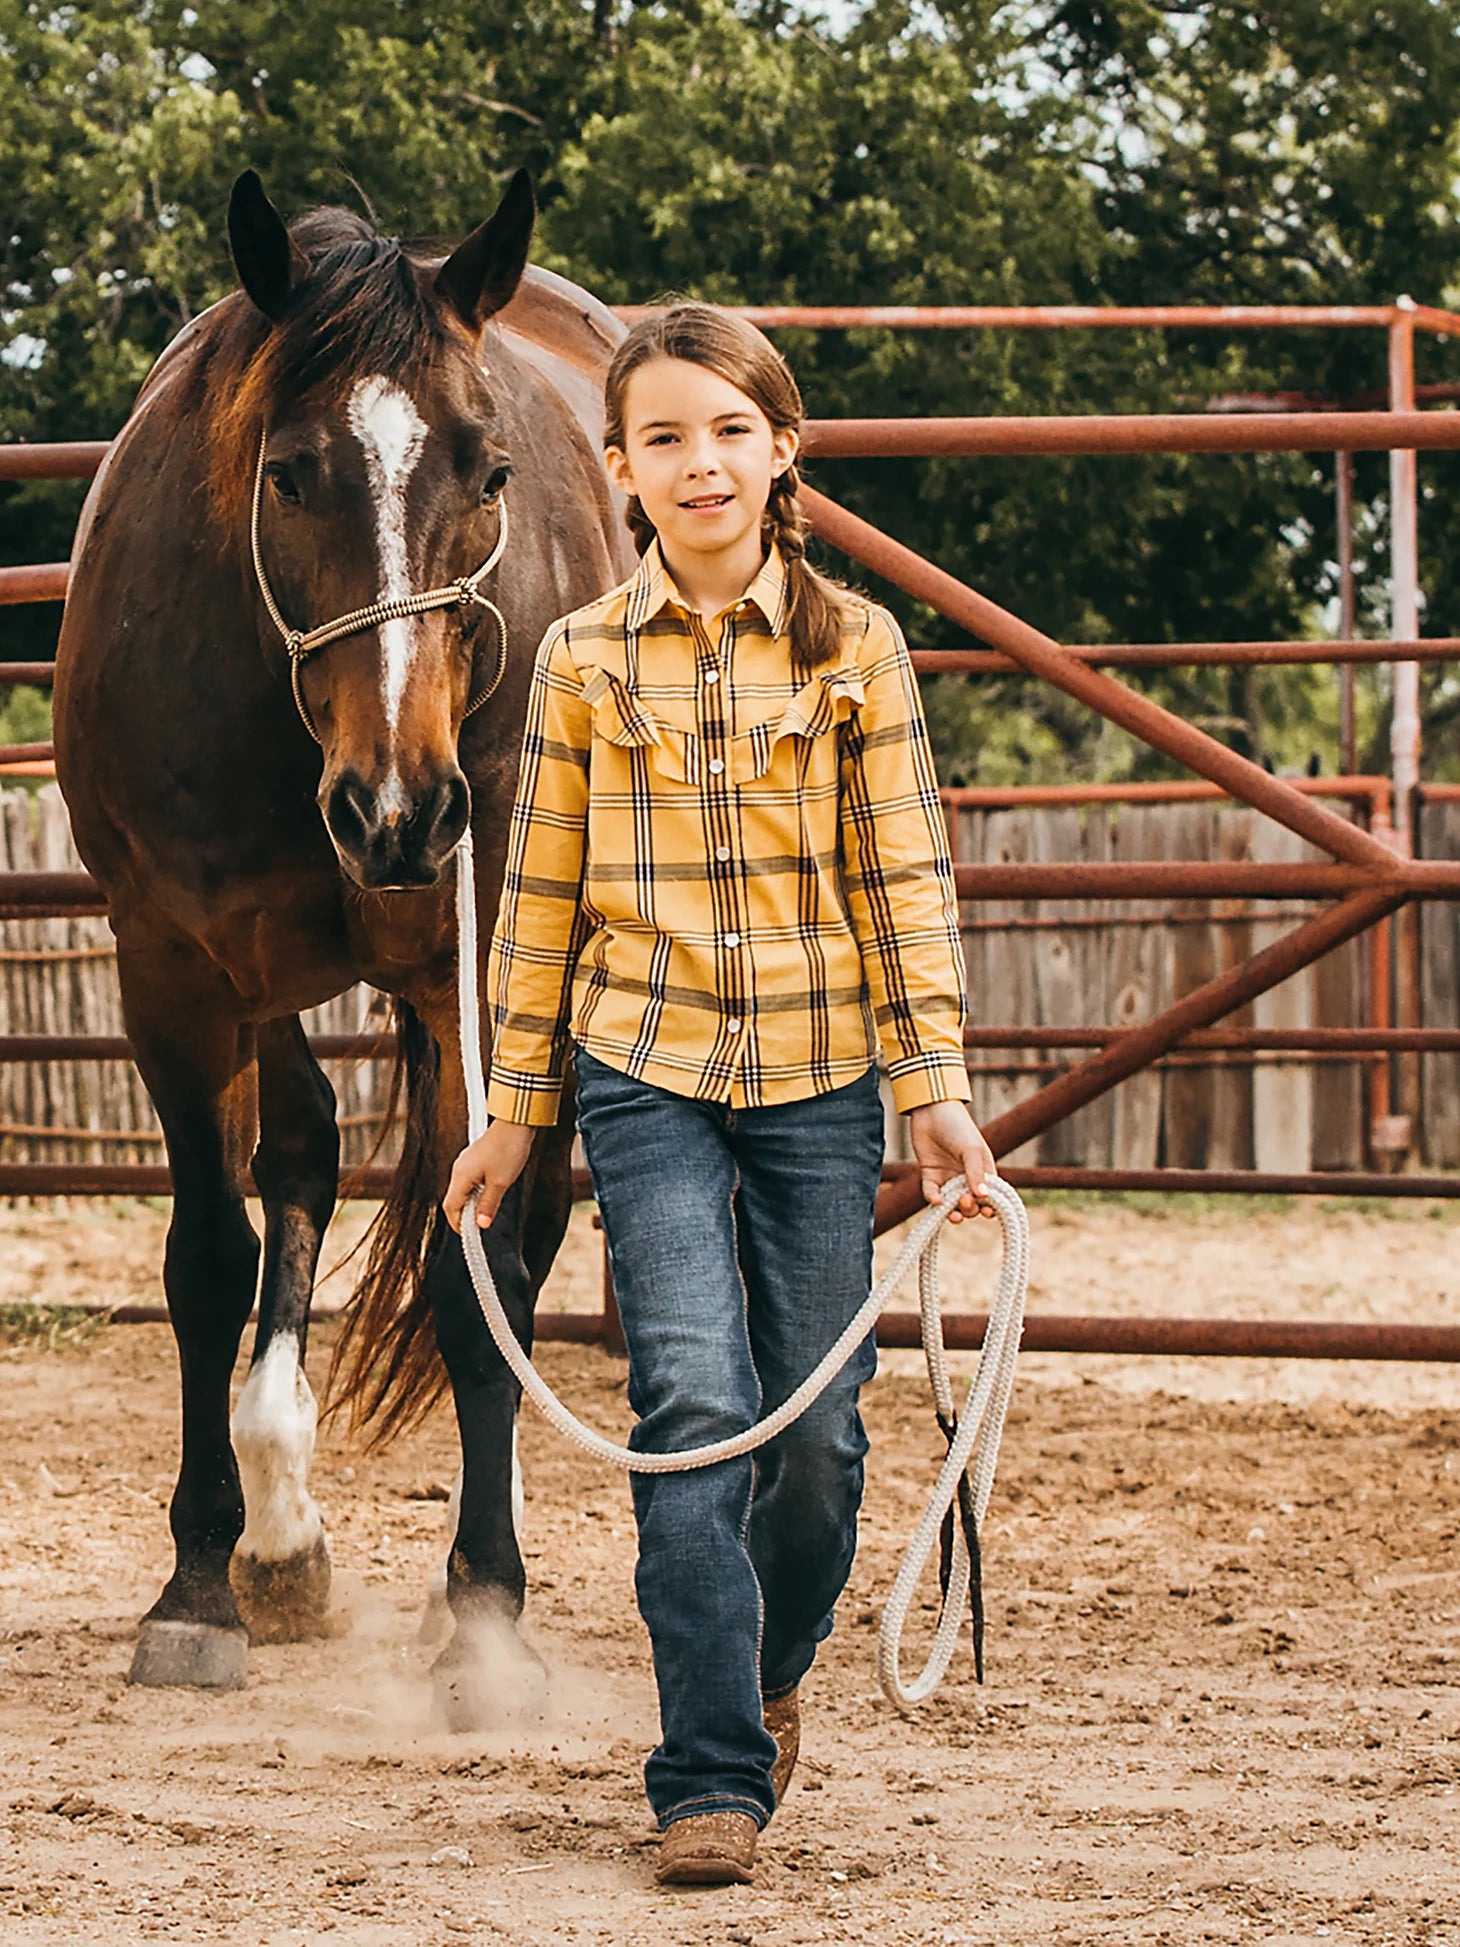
point(973, 1434)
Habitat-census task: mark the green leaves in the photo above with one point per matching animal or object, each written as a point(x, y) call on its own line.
point(768, 152)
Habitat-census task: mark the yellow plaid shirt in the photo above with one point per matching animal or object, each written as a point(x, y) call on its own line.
point(720, 880)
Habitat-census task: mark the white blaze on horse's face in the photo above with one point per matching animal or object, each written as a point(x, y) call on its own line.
point(391, 434)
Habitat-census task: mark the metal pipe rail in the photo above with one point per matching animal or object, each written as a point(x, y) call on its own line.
point(76, 895)
point(50, 895)
point(155, 1179)
point(66, 459)
point(1358, 788)
point(1203, 1338)
point(1050, 1332)
point(1109, 655)
point(1204, 879)
point(1354, 1041)
point(1086, 435)
point(1024, 435)
point(376, 1046)
point(43, 583)
point(1076, 317)
point(368, 1046)
point(1192, 655)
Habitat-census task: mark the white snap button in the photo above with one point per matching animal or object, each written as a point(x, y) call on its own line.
point(733, 1027)
point(722, 853)
point(732, 939)
point(717, 764)
point(712, 675)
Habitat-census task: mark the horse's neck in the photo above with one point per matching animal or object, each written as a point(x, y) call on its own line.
point(558, 316)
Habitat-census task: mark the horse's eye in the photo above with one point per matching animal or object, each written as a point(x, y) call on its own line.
point(495, 481)
point(284, 484)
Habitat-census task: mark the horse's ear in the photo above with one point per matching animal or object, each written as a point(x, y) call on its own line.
point(269, 262)
point(482, 274)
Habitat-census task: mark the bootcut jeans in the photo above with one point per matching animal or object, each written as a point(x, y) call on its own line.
point(741, 1244)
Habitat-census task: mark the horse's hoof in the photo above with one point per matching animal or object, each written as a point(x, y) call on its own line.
point(487, 1678)
point(196, 1656)
point(283, 1602)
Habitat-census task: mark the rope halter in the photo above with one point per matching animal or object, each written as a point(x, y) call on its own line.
point(301, 644)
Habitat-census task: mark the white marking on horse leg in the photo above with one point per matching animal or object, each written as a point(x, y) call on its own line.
point(273, 1437)
point(391, 433)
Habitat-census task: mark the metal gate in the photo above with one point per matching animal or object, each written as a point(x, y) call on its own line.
point(1369, 879)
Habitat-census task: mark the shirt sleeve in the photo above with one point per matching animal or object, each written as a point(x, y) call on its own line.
point(541, 925)
point(899, 878)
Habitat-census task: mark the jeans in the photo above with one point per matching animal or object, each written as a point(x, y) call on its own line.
point(741, 1243)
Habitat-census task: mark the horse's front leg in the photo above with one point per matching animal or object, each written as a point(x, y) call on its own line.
point(485, 1673)
point(281, 1566)
point(197, 1061)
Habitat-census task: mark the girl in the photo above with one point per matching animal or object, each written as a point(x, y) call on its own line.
point(727, 885)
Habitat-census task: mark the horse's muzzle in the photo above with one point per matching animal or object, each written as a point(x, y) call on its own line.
point(388, 842)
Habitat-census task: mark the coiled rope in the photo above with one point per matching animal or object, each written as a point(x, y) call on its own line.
point(967, 1474)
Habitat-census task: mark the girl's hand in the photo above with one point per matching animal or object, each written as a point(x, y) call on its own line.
point(947, 1143)
point(494, 1161)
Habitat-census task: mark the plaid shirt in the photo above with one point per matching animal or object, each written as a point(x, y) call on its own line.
point(721, 880)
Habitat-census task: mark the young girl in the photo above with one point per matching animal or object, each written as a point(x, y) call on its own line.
point(727, 886)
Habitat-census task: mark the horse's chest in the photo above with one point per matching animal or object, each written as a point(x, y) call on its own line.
point(276, 947)
point(279, 969)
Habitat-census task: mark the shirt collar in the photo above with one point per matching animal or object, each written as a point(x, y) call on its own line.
point(653, 586)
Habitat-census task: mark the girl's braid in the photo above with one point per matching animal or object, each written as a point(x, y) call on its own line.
point(640, 525)
point(785, 524)
point(815, 607)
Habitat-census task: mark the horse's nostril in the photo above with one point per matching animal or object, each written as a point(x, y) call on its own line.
point(351, 814)
point(449, 814)
point(387, 839)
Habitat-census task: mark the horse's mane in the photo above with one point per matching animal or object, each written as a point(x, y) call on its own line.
point(362, 309)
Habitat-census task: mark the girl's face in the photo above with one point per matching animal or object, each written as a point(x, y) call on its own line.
point(699, 454)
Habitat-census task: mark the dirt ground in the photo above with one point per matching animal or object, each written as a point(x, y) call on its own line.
point(1224, 1648)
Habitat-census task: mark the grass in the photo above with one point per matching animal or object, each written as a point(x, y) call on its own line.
point(1440, 1210)
point(1164, 1203)
point(1201, 1203)
point(48, 1328)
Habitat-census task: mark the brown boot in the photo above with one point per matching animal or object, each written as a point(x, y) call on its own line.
point(783, 1721)
point(708, 1849)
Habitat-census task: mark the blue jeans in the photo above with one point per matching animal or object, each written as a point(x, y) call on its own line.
point(741, 1244)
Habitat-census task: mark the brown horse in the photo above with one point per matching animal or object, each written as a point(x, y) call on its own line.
point(350, 429)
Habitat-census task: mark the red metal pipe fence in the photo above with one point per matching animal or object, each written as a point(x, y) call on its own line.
point(1369, 872)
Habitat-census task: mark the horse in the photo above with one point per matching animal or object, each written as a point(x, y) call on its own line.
point(273, 818)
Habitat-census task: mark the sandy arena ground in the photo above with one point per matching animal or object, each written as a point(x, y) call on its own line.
point(1224, 1648)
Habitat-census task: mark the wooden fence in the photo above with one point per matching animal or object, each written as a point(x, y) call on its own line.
point(1056, 964)
point(1072, 963)
point(59, 976)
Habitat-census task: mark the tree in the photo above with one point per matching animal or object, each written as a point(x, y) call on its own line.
point(1299, 153)
point(758, 151)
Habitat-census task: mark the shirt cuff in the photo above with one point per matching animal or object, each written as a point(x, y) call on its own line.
point(921, 1079)
point(531, 1100)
